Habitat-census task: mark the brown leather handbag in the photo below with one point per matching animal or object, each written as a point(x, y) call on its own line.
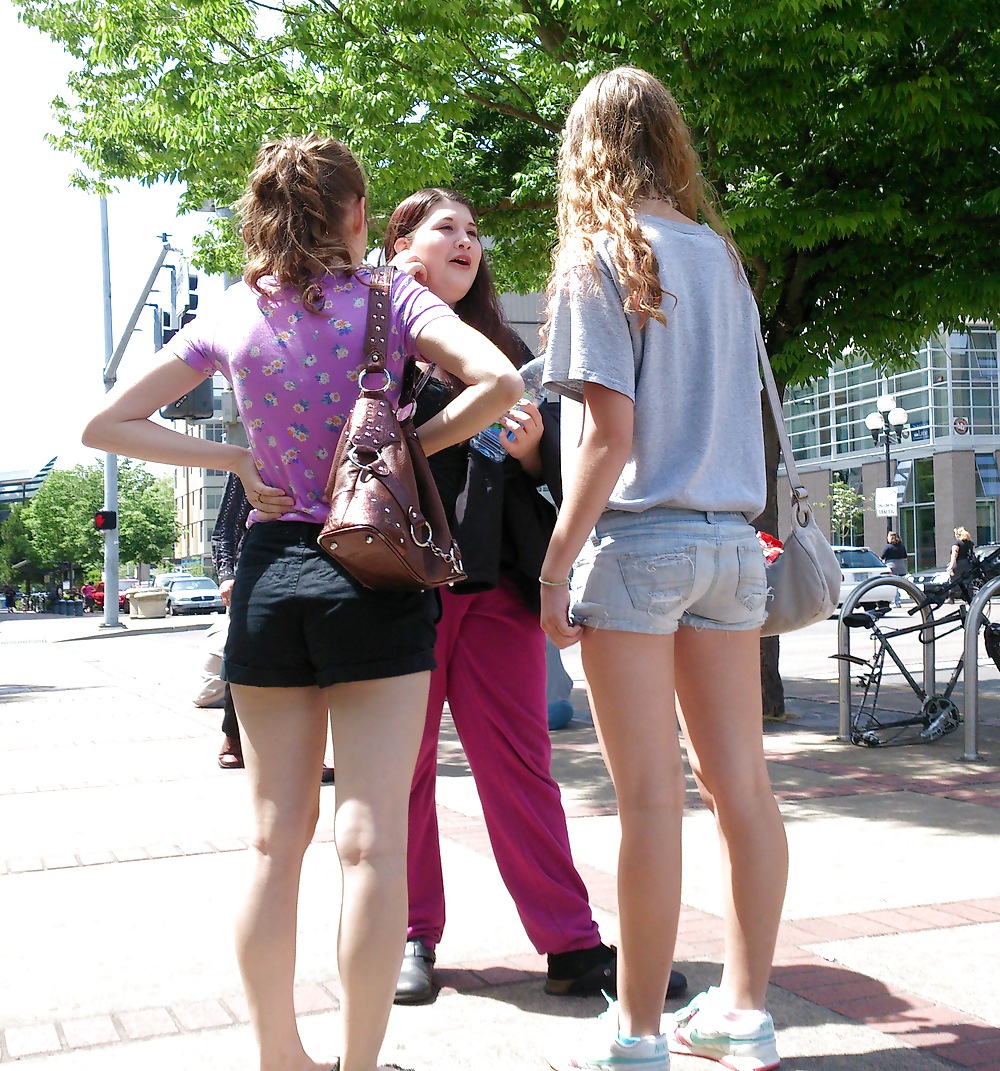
point(387, 525)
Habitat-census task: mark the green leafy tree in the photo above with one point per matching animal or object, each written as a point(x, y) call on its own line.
point(852, 142)
point(15, 547)
point(60, 518)
point(847, 511)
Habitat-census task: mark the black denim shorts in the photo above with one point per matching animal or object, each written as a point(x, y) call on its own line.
point(299, 619)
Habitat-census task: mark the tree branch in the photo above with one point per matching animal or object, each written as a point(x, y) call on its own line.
point(553, 38)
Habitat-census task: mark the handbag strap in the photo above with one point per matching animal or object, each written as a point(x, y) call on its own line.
point(800, 496)
point(376, 351)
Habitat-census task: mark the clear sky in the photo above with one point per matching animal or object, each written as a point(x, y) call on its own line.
point(50, 268)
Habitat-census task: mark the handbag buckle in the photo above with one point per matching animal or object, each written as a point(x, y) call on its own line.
point(417, 521)
point(800, 506)
point(386, 380)
point(353, 457)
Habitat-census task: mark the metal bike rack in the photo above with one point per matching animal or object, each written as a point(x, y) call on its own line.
point(971, 685)
point(844, 644)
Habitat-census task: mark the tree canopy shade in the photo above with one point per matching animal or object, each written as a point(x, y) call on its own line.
point(853, 143)
point(59, 520)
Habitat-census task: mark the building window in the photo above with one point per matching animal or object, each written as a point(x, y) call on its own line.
point(916, 515)
point(987, 492)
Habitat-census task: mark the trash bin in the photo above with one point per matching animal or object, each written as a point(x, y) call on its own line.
point(149, 602)
point(77, 608)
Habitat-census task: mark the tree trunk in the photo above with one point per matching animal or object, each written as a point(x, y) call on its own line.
point(772, 690)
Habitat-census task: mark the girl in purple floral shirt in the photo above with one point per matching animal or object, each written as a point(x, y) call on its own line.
point(306, 642)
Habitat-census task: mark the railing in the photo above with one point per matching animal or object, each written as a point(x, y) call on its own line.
point(974, 619)
point(976, 616)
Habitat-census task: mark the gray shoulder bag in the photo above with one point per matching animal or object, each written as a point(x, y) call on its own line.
point(804, 582)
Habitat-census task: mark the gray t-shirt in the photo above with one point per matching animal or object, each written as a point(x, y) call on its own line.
point(698, 441)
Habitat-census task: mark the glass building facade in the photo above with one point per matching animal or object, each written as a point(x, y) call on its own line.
point(944, 468)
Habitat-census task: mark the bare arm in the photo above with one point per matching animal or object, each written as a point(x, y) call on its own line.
point(605, 446)
point(122, 426)
point(492, 383)
point(954, 558)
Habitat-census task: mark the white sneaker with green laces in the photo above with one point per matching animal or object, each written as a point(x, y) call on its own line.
point(740, 1041)
point(602, 1048)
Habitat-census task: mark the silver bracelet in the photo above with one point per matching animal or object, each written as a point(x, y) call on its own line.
point(554, 583)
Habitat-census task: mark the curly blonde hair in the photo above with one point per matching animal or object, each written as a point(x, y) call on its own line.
point(294, 211)
point(626, 141)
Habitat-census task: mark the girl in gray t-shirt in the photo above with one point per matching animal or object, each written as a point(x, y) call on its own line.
point(651, 343)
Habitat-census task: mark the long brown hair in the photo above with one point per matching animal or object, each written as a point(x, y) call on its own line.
point(625, 140)
point(480, 308)
point(294, 212)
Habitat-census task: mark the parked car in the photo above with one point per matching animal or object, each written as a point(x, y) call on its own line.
point(194, 595)
point(164, 580)
point(125, 583)
point(862, 563)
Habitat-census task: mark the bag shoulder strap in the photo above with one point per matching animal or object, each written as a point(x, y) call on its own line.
point(799, 494)
point(376, 351)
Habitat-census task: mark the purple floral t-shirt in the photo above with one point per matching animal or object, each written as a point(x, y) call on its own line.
point(295, 373)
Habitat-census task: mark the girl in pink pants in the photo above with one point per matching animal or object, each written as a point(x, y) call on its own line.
point(490, 648)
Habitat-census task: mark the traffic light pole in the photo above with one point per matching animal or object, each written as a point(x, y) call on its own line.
point(112, 358)
point(110, 460)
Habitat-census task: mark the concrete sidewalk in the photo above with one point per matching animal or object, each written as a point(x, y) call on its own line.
point(122, 854)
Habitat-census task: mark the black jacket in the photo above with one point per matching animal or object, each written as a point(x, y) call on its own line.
point(230, 528)
point(499, 518)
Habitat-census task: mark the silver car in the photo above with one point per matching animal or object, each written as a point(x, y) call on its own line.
point(194, 595)
point(861, 563)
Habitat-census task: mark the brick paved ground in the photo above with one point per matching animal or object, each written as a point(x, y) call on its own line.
point(121, 850)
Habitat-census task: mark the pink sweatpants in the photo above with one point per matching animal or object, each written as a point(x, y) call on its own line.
point(491, 668)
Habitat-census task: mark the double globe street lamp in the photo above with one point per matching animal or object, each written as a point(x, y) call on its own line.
point(886, 426)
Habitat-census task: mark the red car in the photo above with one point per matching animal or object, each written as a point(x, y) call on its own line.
point(124, 585)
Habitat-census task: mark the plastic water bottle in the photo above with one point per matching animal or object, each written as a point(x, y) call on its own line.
point(489, 441)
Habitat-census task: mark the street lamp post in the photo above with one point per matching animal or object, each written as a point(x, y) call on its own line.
point(886, 426)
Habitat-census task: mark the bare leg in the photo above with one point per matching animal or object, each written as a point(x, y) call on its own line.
point(284, 733)
point(718, 685)
point(630, 678)
point(376, 727)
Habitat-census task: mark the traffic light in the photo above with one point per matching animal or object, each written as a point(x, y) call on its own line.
point(187, 293)
point(197, 404)
point(105, 520)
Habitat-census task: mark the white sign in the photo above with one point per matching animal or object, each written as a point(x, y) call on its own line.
point(886, 502)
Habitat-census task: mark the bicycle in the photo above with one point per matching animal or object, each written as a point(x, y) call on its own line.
point(872, 726)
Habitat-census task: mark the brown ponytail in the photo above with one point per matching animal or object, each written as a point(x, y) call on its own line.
point(294, 213)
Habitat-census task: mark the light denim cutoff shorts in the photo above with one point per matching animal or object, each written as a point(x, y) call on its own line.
point(653, 571)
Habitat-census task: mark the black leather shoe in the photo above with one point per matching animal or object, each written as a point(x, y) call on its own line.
point(589, 971)
point(416, 975)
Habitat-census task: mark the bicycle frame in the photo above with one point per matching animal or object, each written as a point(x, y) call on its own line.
point(865, 723)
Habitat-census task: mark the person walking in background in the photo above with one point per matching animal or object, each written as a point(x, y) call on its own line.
point(490, 650)
point(963, 560)
point(227, 539)
point(653, 567)
point(10, 598)
point(895, 557)
point(307, 643)
point(87, 591)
